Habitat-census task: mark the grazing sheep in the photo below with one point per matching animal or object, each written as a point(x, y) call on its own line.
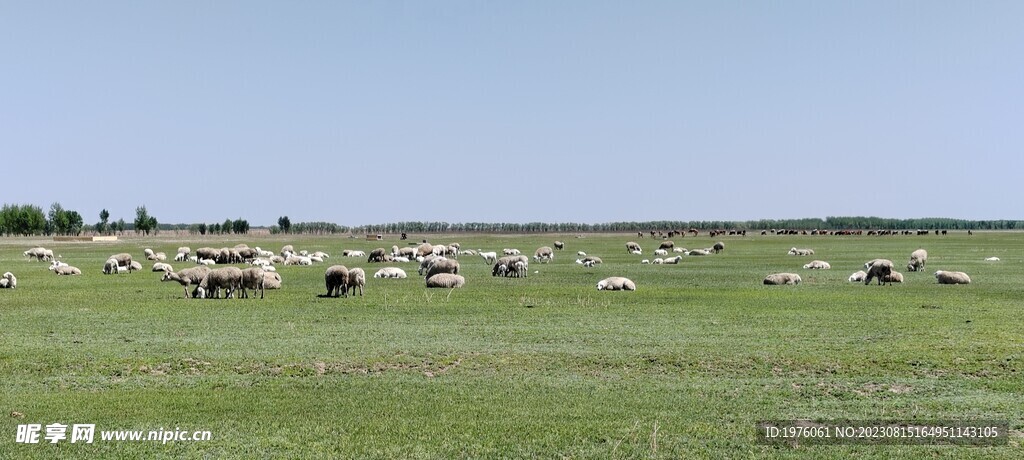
point(336, 279)
point(858, 276)
point(992, 259)
point(945, 277)
point(489, 257)
point(185, 250)
point(390, 272)
point(271, 280)
point(252, 278)
point(673, 260)
point(147, 252)
point(424, 249)
point(544, 254)
point(446, 281)
point(616, 283)
point(181, 257)
point(162, 267)
point(124, 260)
point(8, 281)
point(559, 245)
point(356, 279)
point(207, 253)
point(425, 263)
point(818, 265)
point(778, 279)
point(442, 265)
point(893, 277)
point(511, 252)
point(378, 255)
point(227, 278)
point(801, 252)
point(67, 270)
point(719, 247)
point(667, 245)
point(39, 253)
point(632, 247)
point(110, 267)
point(917, 260)
point(879, 268)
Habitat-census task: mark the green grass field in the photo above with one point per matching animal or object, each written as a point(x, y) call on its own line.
point(545, 366)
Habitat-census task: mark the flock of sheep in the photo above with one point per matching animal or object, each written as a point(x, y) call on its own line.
point(437, 264)
point(877, 269)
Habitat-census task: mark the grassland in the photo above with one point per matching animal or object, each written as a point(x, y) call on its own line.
point(540, 367)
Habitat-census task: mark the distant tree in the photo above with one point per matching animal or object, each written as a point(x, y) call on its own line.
point(285, 223)
point(152, 224)
point(240, 226)
point(142, 220)
point(104, 223)
point(74, 223)
point(214, 228)
point(226, 226)
point(119, 226)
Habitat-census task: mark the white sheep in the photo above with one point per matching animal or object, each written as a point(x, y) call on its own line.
point(206, 262)
point(357, 254)
point(162, 267)
point(489, 257)
point(673, 260)
point(658, 261)
point(645, 261)
point(818, 265)
point(801, 252)
point(945, 277)
point(581, 253)
point(661, 252)
point(446, 281)
point(8, 281)
point(56, 264)
point(858, 276)
point(616, 283)
point(390, 272)
point(677, 249)
point(779, 279)
point(992, 259)
point(67, 270)
point(512, 252)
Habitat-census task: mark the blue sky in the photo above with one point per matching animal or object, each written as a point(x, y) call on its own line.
point(466, 111)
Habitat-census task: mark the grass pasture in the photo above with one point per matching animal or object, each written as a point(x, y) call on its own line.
point(545, 366)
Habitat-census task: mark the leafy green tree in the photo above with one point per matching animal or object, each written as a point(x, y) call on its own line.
point(285, 223)
point(141, 219)
point(104, 222)
point(226, 226)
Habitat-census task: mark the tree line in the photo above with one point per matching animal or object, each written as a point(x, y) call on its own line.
point(26, 220)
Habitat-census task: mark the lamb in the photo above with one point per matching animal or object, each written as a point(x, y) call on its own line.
point(678, 249)
point(673, 260)
point(400, 259)
point(668, 245)
point(253, 278)
point(162, 267)
point(206, 262)
point(263, 253)
point(801, 252)
point(817, 265)
point(187, 277)
point(645, 261)
point(660, 252)
point(442, 265)
point(858, 276)
point(637, 253)
point(336, 279)
point(377, 255)
point(356, 279)
point(467, 252)
point(633, 246)
point(67, 270)
point(181, 257)
point(185, 250)
point(616, 283)
point(992, 259)
point(260, 262)
point(917, 260)
point(893, 277)
point(699, 252)
point(8, 281)
point(719, 247)
point(124, 260)
point(227, 278)
point(489, 257)
point(512, 252)
point(589, 261)
point(355, 254)
point(945, 277)
point(56, 264)
point(277, 260)
point(559, 245)
point(778, 279)
point(287, 249)
point(304, 253)
point(110, 267)
point(157, 256)
point(321, 254)
point(390, 272)
point(446, 281)
point(581, 253)
point(879, 268)
point(544, 254)
point(315, 259)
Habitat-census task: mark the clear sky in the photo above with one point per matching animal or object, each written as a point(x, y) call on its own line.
point(489, 111)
